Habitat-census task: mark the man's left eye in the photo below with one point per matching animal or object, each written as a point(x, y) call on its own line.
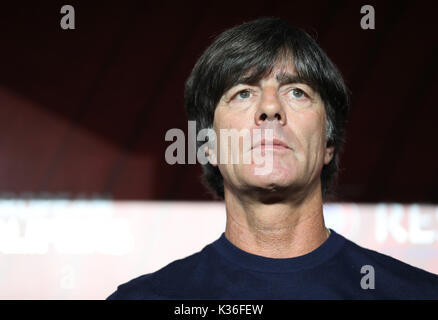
point(298, 93)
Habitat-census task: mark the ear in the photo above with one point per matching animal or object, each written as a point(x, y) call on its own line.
point(212, 157)
point(328, 156)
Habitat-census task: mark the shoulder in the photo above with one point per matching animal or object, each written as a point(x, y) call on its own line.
point(160, 284)
point(393, 278)
point(135, 289)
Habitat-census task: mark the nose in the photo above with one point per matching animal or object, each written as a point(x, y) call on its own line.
point(270, 108)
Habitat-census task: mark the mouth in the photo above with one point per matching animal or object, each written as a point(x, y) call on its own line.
point(275, 144)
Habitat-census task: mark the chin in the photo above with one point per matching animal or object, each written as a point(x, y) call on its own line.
point(277, 178)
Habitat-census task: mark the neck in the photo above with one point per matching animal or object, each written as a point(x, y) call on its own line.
point(282, 229)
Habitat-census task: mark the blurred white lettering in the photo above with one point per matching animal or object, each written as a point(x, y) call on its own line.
point(390, 223)
point(69, 227)
point(404, 224)
point(417, 221)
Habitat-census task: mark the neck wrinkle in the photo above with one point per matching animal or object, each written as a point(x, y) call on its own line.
point(283, 229)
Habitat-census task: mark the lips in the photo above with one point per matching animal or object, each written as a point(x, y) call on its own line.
point(274, 144)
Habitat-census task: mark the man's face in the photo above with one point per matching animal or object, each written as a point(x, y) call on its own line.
point(295, 115)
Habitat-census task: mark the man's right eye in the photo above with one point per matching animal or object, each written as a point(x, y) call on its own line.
point(244, 94)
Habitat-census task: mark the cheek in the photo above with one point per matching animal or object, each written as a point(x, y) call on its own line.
point(230, 123)
point(222, 120)
point(310, 131)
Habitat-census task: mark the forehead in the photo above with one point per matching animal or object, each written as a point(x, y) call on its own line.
point(283, 65)
point(283, 70)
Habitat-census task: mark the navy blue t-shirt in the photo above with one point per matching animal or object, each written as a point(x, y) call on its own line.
point(338, 269)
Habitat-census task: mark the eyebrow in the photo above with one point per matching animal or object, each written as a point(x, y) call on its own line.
point(282, 78)
point(288, 78)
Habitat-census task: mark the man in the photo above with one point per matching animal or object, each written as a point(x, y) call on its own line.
point(269, 76)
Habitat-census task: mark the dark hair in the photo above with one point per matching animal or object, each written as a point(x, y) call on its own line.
point(254, 47)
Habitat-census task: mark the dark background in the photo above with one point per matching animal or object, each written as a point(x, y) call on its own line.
point(85, 111)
